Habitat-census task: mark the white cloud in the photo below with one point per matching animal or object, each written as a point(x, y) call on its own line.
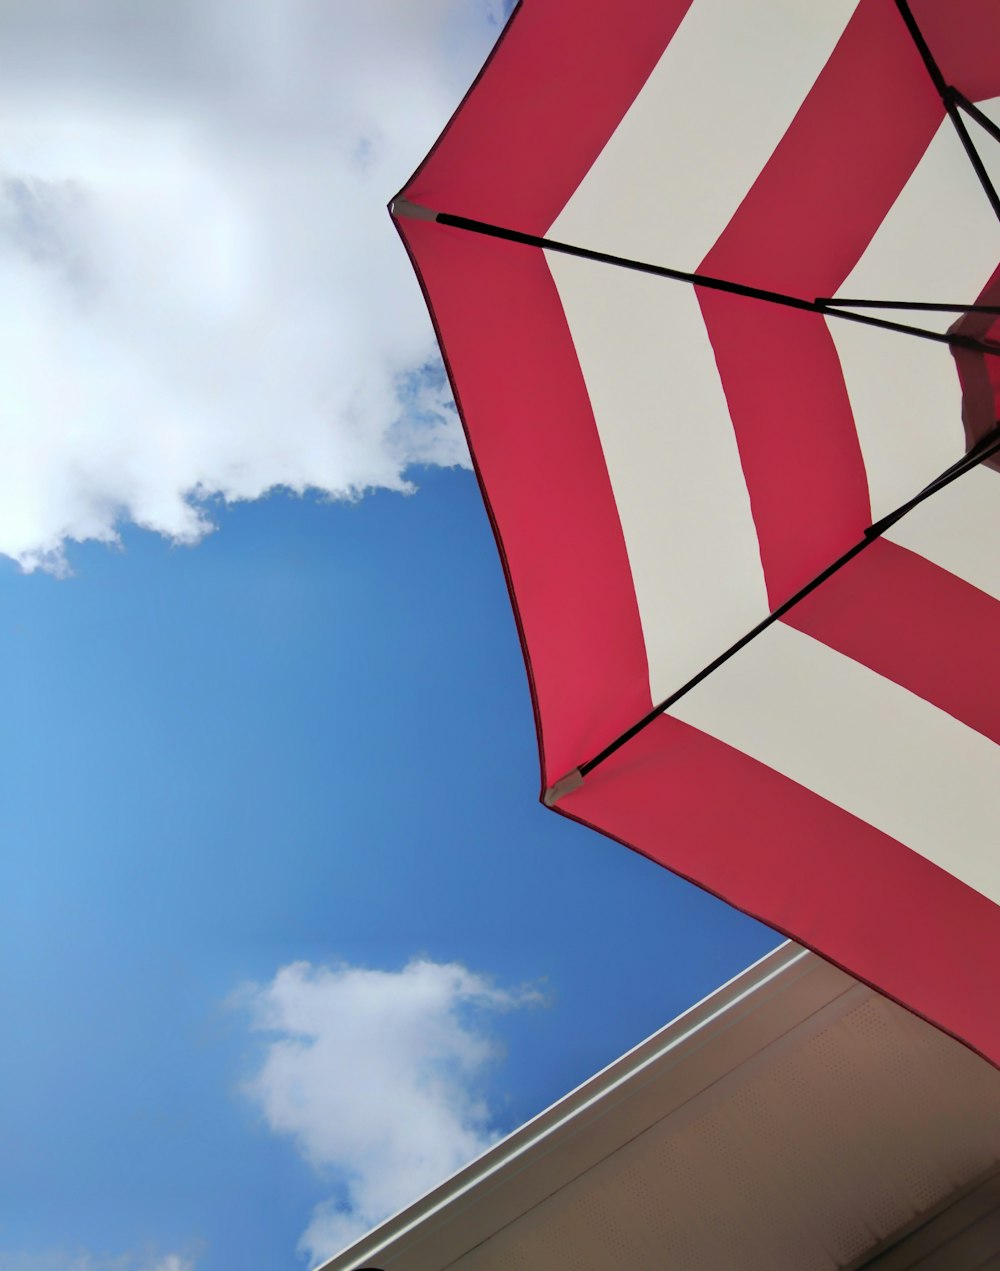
point(200, 290)
point(82, 1261)
point(376, 1075)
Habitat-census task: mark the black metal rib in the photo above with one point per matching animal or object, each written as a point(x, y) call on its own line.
point(984, 448)
point(973, 111)
point(950, 97)
point(924, 306)
point(714, 284)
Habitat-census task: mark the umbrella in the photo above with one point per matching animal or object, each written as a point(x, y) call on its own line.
point(717, 288)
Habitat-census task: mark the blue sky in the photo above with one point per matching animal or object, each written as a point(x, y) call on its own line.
point(307, 739)
point(303, 740)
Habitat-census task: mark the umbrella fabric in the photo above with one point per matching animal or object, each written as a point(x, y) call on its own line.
point(668, 464)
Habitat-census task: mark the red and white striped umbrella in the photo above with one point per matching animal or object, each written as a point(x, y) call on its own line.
point(664, 243)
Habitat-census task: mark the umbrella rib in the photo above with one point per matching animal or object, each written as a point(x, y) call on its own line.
point(927, 306)
point(951, 99)
point(708, 281)
point(973, 111)
point(987, 446)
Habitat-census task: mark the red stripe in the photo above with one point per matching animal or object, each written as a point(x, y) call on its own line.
point(964, 36)
point(783, 854)
point(557, 86)
point(801, 229)
point(796, 436)
point(917, 625)
point(522, 398)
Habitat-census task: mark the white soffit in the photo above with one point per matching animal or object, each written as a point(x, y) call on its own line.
point(795, 1118)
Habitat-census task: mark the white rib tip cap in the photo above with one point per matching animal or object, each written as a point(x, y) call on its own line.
point(403, 207)
point(565, 785)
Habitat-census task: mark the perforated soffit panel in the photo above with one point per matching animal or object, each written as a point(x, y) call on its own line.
point(794, 1119)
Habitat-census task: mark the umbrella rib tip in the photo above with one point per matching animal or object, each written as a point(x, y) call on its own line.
point(565, 785)
point(401, 206)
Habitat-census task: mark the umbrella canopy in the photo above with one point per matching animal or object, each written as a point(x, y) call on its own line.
point(716, 287)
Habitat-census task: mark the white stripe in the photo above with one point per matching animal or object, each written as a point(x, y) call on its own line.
point(939, 242)
point(970, 505)
point(673, 463)
point(663, 190)
point(907, 405)
point(702, 128)
point(869, 746)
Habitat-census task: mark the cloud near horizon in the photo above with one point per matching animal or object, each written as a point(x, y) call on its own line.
point(377, 1077)
point(202, 293)
point(83, 1261)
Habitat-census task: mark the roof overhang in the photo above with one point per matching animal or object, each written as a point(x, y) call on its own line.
point(794, 1118)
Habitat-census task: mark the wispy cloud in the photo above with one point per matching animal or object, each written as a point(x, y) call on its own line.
point(200, 290)
point(83, 1261)
point(377, 1077)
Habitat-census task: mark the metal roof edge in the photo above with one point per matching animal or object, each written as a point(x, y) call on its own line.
point(695, 1027)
